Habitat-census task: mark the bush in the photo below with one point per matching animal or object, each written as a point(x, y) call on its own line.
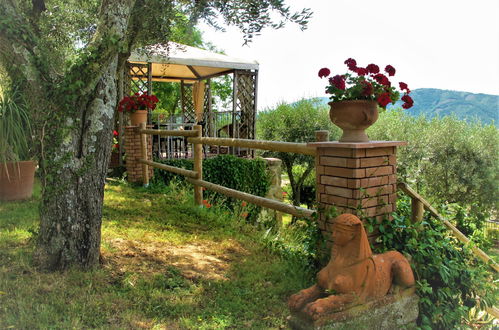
point(449, 162)
point(450, 280)
point(246, 175)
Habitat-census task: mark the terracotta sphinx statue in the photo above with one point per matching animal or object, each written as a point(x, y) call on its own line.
point(353, 275)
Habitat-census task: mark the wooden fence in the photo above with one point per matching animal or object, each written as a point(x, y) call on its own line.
point(196, 178)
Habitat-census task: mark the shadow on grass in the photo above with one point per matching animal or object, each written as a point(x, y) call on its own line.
point(166, 264)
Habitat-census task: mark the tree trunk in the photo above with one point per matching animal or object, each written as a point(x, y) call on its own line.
point(74, 178)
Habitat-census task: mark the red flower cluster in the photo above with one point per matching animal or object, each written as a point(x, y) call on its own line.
point(338, 81)
point(368, 84)
point(138, 102)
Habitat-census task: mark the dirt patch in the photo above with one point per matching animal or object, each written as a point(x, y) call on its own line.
point(200, 260)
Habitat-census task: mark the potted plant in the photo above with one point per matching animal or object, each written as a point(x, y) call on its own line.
point(17, 171)
point(115, 151)
point(356, 95)
point(138, 105)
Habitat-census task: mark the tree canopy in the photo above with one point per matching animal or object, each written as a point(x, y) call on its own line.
point(65, 57)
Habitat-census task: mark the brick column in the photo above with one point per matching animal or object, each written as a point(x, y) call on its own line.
point(356, 178)
point(134, 153)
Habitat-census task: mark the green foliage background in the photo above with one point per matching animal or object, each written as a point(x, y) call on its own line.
point(447, 160)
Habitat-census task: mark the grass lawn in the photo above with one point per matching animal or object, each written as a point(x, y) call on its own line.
point(165, 264)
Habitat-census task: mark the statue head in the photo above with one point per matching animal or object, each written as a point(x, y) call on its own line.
point(350, 238)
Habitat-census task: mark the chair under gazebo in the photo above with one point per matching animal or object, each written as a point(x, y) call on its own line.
point(193, 69)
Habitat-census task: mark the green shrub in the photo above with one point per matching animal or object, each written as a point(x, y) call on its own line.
point(246, 175)
point(449, 162)
point(450, 280)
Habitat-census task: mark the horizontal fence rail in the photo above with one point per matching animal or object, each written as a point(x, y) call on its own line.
point(173, 169)
point(168, 132)
point(297, 148)
point(459, 235)
point(257, 200)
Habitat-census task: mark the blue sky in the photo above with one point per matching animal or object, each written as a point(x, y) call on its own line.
point(434, 44)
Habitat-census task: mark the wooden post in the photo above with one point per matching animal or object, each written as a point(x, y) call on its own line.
point(198, 166)
point(417, 210)
point(321, 136)
point(143, 146)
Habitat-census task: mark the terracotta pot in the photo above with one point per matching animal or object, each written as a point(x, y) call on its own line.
point(353, 117)
point(16, 180)
point(137, 117)
point(115, 160)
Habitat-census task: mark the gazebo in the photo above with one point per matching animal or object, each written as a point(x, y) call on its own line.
point(193, 68)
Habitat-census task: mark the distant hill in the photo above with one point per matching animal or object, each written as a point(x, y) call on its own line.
point(433, 102)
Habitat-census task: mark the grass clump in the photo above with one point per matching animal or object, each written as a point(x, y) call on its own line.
point(165, 264)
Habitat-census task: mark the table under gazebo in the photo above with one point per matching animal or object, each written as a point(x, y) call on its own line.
point(193, 69)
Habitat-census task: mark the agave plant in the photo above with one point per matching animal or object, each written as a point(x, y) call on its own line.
point(15, 128)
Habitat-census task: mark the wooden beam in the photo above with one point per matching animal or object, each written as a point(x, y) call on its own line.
point(298, 148)
point(167, 132)
point(143, 146)
point(198, 165)
point(459, 235)
point(173, 169)
point(257, 200)
point(194, 72)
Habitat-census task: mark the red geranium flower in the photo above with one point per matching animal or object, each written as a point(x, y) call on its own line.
point(364, 83)
point(407, 99)
point(382, 79)
point(324, 72)
point(390, 70)
point(367, 88)
point(338, 81)
point(372, 68)
point(115, 133)
point(404, 86)
point(384, 99)
point(361, 71)
point(351, 62)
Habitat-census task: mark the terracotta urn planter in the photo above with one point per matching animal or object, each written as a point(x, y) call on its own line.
point(353, 117)
point(16, 180)
point(137, 117)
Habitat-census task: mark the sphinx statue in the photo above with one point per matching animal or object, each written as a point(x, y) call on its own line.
point(353, 275)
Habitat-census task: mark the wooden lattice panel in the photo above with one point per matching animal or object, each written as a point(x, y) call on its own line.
point(245, 103)
point(187, 103)
point(137, 78)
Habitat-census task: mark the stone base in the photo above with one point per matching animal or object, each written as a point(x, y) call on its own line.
point(391, 312)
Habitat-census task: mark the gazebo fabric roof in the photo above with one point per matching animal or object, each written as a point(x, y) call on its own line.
point(176, 62)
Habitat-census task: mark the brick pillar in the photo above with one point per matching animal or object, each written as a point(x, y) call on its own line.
point(357, 178)
point(134, 153)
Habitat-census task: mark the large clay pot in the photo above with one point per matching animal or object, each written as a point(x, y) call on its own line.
point(353, 117)
point(16, 180)
point(137, 117)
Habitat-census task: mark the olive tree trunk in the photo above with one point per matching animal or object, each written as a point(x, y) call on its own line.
point(73, 178)
point(73, 112)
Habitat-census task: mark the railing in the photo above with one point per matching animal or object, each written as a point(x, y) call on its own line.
point(196, 176)
point(419, 204)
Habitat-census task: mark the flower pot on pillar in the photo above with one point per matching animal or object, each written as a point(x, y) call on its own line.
point(137, 117)
point(353, 117)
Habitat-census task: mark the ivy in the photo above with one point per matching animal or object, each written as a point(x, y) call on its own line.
point(450, 280)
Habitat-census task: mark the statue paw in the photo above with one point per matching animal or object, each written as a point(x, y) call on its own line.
point(296, 301)
point(314, 310)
